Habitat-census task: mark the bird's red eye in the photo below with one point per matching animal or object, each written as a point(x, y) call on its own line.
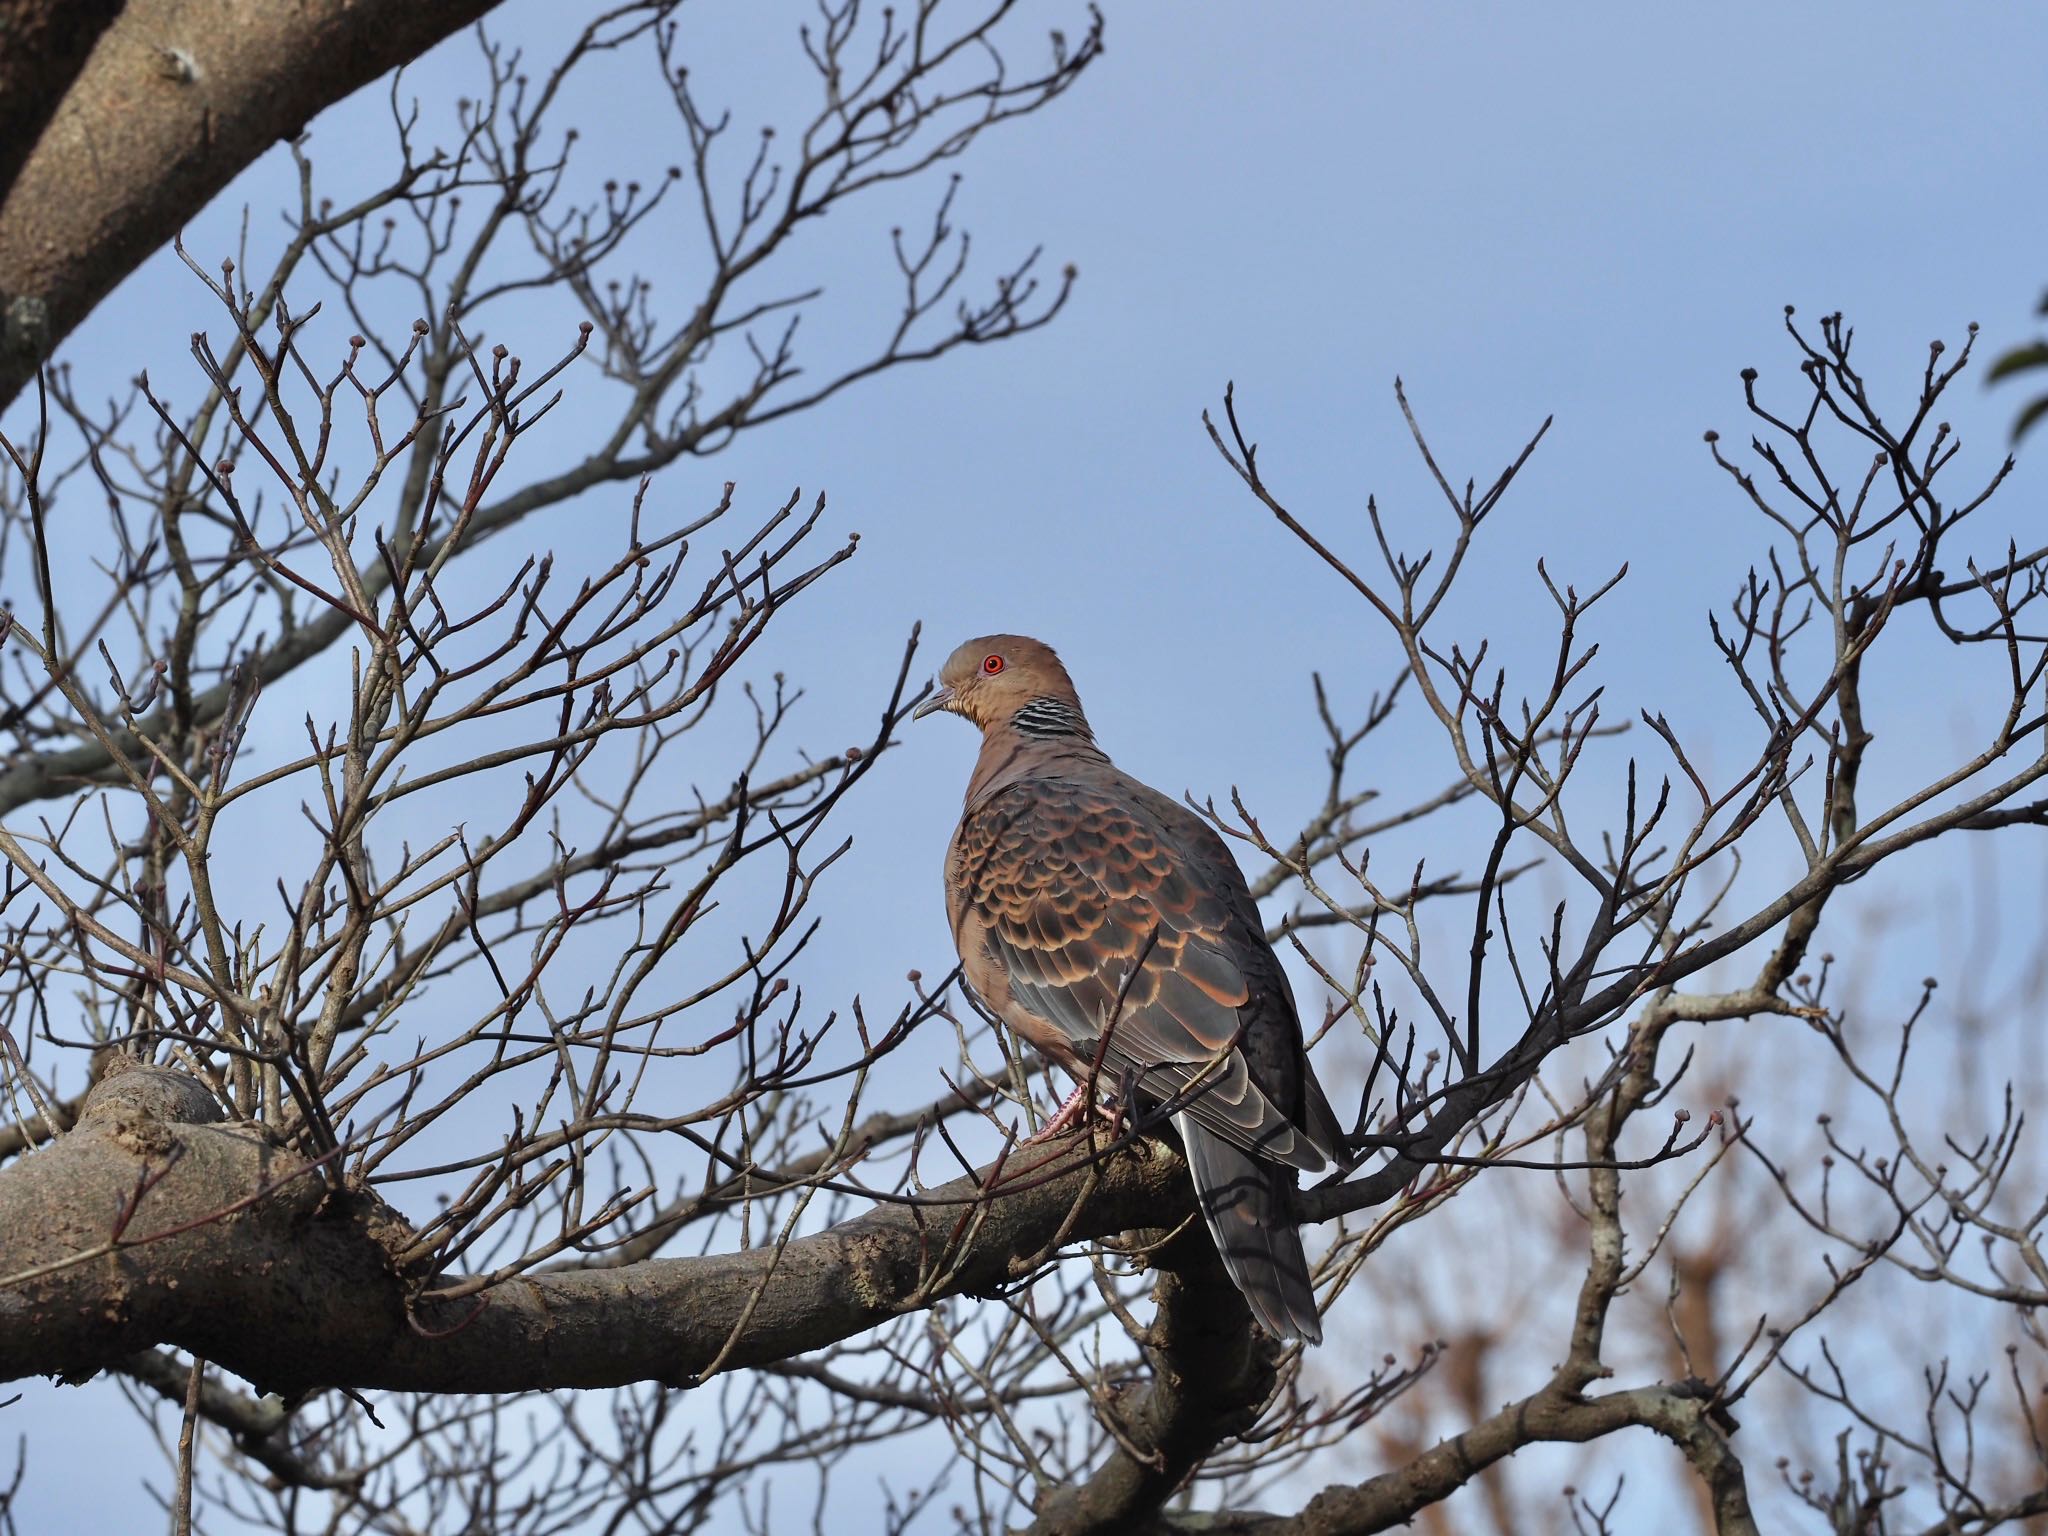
point(991, 665)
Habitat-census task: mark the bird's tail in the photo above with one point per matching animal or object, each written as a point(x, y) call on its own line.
point(1245, 1201)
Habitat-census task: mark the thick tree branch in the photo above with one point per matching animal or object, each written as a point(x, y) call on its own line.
point(177, 98)
point(149, 1224)
point(43, 46)
point(1551, 1414)
point(1210, 1375)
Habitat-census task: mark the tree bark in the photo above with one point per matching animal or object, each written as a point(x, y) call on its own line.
point(1395, 1497)
point(1211, 1374)
point(176, 98)
point(43, 46)
point(154, 1222)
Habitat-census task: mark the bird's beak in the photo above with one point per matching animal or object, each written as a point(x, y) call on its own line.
point(941, 698)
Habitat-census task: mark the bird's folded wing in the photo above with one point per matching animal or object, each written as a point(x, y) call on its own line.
point(1068, 881)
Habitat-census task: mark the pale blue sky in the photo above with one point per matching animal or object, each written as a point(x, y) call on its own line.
point(1597, 211)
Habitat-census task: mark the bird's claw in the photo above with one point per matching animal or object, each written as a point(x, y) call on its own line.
point(1073, 1107)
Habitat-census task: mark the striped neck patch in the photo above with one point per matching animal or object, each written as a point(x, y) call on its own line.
point(1045, 717)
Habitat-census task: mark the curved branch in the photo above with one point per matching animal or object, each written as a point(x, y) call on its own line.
point(48, 42)
point(177, 98)
point(1549, 1415)
point(1210, 1376)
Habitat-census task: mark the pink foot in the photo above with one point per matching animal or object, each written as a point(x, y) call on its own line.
point(1071, 1109)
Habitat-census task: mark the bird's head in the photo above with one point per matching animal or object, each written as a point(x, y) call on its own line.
point(998, 680)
